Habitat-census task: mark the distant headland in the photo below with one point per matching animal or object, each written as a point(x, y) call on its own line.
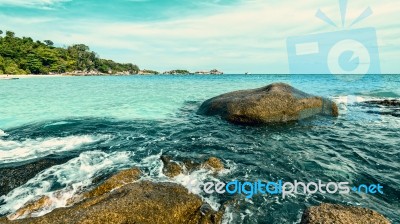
point(24, 56)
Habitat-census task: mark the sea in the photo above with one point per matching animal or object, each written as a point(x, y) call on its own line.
point(60, 135)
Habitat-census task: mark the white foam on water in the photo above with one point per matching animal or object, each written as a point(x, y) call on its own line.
point(195, 181)
point(3, 134)
point(62, 182)
point(349, 99)
point(16, 151)
point(228, 215)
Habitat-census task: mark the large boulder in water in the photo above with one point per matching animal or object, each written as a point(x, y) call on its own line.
point(330, 213)
point(278, 102)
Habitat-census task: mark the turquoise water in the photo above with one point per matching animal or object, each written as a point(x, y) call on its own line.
point(93, 126)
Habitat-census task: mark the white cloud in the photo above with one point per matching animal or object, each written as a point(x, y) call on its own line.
point(249, 37)
point(44, 4)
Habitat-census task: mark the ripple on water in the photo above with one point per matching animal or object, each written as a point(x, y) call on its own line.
point(338, 150)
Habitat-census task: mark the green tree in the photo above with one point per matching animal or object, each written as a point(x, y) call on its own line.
point(49, 43)
point(24, 55)
point(10, 34)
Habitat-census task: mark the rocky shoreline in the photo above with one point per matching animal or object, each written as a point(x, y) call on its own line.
point(124, 73)
point(127, 198)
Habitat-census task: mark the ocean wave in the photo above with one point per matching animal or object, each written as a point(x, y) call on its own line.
point(3, 134)
point(349, 99)
point(62, 182)
point(192, 181)
point(17, 151)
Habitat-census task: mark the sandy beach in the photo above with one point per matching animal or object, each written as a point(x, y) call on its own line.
point(28, 76)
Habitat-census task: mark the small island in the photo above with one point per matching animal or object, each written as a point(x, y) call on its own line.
point(177, 72)
point(186, 72)
point(212, 72)
point(147, 72)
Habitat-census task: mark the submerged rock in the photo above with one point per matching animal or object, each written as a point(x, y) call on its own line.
point(31, 207)
point(330, 213)
point(278, 102)
point(387, 103)
point(386, 107)
point(214, 163)
point(14, 177)
point(172, 168)
point(140, 202)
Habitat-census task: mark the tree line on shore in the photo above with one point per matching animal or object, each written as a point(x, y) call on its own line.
point(26, 56)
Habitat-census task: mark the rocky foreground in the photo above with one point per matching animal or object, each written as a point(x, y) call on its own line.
point(141, 202)
point(338, 214)
point(125, 198)
point(278, 102)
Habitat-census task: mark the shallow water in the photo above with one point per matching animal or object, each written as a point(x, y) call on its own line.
point(93, 126)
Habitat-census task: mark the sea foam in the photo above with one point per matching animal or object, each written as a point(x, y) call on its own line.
point(3, 134)
point(17, 151)
point(62, 182)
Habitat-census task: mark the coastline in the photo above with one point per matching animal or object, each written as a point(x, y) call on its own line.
point(28, 76)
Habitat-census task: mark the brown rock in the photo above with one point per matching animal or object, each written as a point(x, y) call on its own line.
point(214, 164)
point(278, 102)
point(118, 180)
point(13, 177)
point(139, 202)
point(338, 214)
point(31, 207)
point(191, 165)
point(171, 169)
point(387, 103)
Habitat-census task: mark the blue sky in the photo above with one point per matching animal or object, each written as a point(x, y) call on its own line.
point(234, 36)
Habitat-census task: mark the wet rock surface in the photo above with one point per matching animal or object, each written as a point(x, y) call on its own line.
point(13, 177)
point(120, 179)
point(330, 213)
point(214, 163)
point(31, 207)
point(117, 180)
point(388, 103)
point(140, 202)
point(173, 168)
point(386, 107)
point(278, 102)
point(121, 200)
